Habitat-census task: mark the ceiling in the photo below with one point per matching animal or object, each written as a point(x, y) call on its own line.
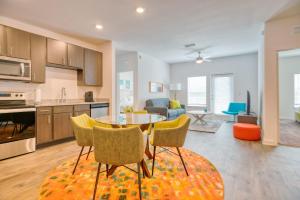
point(229, 27)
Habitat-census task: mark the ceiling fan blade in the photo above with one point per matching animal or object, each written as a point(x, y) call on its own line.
point(207, 60)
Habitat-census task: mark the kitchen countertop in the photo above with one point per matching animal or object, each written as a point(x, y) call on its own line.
point(57, 102)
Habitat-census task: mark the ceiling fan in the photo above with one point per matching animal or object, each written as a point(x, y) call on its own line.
point(197, 54)
point(200, 59)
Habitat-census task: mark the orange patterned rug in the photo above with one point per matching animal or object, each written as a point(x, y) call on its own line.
point(168, 183)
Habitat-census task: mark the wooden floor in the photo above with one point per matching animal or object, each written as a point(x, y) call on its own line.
point(249, 170)
point(289, 133)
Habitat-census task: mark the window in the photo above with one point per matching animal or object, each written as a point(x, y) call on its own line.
point(197, 91)
point(297, 89)
point(222, 86)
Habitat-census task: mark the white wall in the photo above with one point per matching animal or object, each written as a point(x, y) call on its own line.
point(288, 66)
point(151, 69)
point(243, 67)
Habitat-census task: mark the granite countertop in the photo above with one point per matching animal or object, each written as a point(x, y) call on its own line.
point(58, 102)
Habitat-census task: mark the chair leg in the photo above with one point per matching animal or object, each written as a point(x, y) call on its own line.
point(78, 160)
point(153, 162)
point(106, 170)
point(90, 149)
point(182, 161)
point(139, 180)
point(96, 182)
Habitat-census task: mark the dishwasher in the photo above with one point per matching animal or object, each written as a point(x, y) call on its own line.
point(99, 110)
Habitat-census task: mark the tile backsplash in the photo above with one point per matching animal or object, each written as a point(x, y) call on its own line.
point(56, 79)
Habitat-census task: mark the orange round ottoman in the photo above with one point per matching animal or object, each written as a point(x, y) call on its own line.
point(244, 131)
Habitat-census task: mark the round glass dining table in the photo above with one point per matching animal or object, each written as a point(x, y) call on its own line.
point(131, 119)
point(122, 120)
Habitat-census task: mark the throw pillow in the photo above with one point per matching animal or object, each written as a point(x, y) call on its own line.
point(175, 104)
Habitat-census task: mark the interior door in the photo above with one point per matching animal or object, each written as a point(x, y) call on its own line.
point(222, 92)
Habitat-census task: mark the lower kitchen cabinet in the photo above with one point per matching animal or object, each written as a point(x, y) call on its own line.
point(44, 125)
point(62, 127)
point(82, 109)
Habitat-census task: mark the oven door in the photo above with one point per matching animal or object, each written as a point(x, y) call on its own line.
point(17, 132)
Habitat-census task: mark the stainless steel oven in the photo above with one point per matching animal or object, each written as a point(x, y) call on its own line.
point(15, 69)
point(17, 125)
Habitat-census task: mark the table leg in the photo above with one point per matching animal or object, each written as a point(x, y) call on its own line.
point(147, 149)
point(145, 169)
point(112, 170)
point(199, 118)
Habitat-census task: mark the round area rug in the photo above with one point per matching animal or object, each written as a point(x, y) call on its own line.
point(169, 182)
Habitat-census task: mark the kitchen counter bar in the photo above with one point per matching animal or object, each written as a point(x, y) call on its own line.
point(57, 102)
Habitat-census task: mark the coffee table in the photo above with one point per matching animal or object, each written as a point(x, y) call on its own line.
point(199, 116)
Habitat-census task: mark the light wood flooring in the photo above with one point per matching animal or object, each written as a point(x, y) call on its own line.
point(289, 133)
point(249, 170)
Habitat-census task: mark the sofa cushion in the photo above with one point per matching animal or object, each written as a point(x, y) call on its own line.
point(180, 111)
point(159, 102)
point(172, 113)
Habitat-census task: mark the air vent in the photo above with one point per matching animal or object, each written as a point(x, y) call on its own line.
point(297, 29)
point(189, 45)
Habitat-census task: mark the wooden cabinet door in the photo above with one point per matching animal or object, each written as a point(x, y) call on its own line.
point(2, 41)
point(75, 56)
point(77, 113)
point(92, 68)
point(38, 58)
point(56, 52)
point(44, 128)
point(18, 43)
point(62, 125)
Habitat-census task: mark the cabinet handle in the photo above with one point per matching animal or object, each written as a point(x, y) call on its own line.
point(49, 119)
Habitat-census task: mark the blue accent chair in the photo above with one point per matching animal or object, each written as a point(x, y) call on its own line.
point(235, 108)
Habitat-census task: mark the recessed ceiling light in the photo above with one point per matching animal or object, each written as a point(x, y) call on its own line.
point(140, 10)
point(99, 27)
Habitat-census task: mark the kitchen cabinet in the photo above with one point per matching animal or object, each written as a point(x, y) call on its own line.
point(82, 109)
point(17, 43)
point(91, 75)
point(38, 58)
point(75, 56)
point(2, 41)
point(44, 125)
point(62, 122)
point(56, 52)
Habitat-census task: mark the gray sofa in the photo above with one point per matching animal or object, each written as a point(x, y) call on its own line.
point(162, 106)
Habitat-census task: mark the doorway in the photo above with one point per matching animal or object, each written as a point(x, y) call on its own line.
point(125, 87)
point(289, 97)
point(222, 92)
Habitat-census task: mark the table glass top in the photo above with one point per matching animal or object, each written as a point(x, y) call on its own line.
point(131, 119)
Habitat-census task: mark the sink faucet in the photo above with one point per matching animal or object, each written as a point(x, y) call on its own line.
point(63, 94)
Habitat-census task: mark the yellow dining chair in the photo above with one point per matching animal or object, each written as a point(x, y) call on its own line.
point(170, 134)
point(83, 130)
point(118, 147)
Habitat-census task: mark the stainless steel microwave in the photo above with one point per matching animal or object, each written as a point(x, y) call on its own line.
point(15, 69)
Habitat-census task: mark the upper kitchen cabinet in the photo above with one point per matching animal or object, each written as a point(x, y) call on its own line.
point(75, 56)
point(38, 58)
point(2, 41)
point(56, 52)
point(91, 75)
point(17, 43)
